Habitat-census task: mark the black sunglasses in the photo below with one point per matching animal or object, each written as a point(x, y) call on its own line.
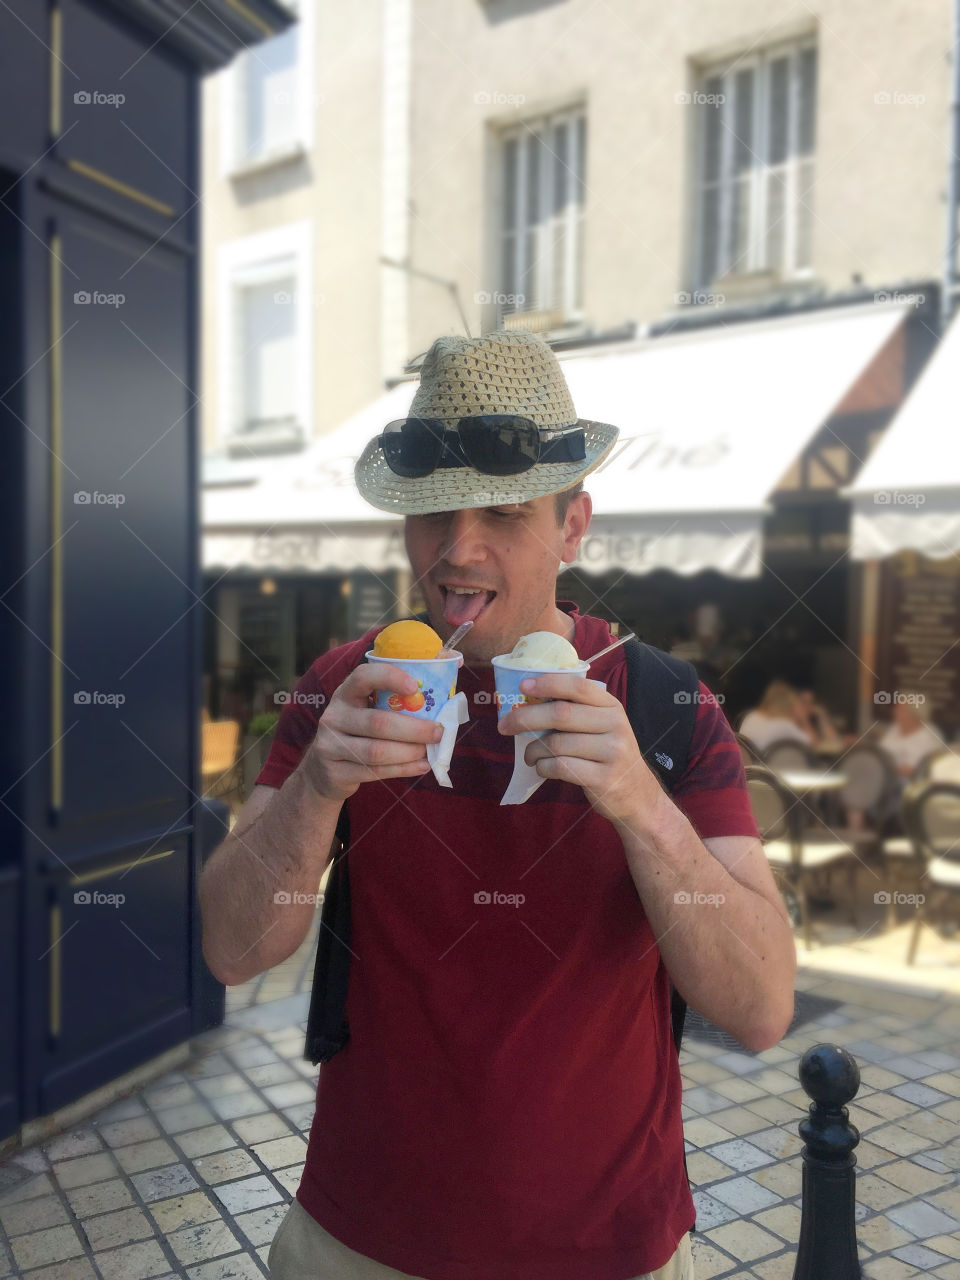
point(495, 444)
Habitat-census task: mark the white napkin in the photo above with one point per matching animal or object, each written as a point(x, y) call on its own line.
point(452, 714)
point(525, 778)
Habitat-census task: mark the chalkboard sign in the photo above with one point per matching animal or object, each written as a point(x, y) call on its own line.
point(920, 622)
point(372, 602)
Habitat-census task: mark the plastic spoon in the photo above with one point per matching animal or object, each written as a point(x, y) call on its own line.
point(610, 647)
point(460, 632)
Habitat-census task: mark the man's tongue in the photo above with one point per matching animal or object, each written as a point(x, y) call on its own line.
point(458, 609)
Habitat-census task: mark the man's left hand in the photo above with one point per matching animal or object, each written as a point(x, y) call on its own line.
point(589, 742)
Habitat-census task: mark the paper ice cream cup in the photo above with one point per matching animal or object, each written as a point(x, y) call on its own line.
point(507, 680)
point(436, 684)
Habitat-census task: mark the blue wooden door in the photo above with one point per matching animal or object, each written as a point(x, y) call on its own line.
point(100, 625)
point(112, 664)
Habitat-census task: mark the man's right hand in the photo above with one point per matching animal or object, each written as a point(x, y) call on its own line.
point(358, 743)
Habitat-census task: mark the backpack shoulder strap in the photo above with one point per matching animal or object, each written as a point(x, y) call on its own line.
point(327, 1028)
point(661, 706)
point(662, 709)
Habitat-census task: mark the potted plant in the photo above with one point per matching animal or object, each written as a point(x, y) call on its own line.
point(256, 746)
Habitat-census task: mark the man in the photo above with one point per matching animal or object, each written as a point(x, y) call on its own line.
point(507, 1106)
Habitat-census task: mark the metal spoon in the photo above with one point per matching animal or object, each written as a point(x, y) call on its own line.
point(610, 647)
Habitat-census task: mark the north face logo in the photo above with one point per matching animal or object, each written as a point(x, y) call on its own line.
point(663, 760)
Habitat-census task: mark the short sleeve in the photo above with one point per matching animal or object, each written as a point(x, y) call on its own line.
point(296, 729)
point(297, 726)
point(713, 790)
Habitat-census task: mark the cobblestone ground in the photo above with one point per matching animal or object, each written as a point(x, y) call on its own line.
point(191, 1175)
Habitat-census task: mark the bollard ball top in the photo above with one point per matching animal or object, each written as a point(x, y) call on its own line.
point(829, 1074)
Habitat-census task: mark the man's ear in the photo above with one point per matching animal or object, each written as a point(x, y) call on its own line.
point(575, 525)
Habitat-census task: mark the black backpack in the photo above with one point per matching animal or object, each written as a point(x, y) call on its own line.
point(662, 708)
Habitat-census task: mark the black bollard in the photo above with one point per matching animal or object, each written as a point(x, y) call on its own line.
point(828, 1239)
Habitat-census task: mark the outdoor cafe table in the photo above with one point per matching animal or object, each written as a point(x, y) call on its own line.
point(809, 781)
point(816, 784)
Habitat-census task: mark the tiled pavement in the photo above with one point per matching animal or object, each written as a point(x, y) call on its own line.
point(190, 1176)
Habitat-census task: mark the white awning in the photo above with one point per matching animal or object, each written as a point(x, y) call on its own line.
point(314, 488)
point(339, 548)
point(710, 422)
point(907, 496)
point(302, 513)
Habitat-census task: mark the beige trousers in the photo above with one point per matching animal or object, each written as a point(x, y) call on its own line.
point(302, 1250)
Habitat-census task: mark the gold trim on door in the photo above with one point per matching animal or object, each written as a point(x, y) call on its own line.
point(122, 188)
point(114, 867)
point(55, 971)
point(56, 71)
point(56, 526)
point(252, 17)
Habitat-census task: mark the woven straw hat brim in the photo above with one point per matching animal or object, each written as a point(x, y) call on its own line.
point(457, 488)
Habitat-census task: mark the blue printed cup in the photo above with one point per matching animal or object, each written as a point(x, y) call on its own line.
point(436, 684)
point(507, 680)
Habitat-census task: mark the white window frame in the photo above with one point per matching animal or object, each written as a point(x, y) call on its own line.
point(755, 259)
point(269, 255)
point(569, 306)
point(234, 162)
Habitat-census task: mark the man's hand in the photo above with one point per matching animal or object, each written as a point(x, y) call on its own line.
point(358, 743)
point(590, 743)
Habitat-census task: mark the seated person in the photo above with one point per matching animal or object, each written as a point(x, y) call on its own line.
point(909, 739)
point(777, 717)
point(817, 721)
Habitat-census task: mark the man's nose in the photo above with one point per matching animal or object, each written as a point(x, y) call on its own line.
point(464, 543)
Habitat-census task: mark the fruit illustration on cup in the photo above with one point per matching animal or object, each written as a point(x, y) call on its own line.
point(418, 650)
point(408, 701)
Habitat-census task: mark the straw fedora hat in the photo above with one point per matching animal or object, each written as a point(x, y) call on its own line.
point(499, 373)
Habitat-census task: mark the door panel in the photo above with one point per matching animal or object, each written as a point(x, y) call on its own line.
point(24, 67)
point(10, 971)
point(127, 541)
point(125, 113)
point(117, 967)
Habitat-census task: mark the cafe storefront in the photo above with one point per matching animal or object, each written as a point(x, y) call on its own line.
point(719, 527)
point(906, 536)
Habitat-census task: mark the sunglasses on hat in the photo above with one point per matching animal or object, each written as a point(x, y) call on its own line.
point(495, 444)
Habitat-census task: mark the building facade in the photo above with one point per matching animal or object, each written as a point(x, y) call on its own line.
point(598, 174)
point(610, 165)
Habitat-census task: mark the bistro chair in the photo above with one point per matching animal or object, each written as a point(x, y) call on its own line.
point(940, 766)
point(787, 754)
point(220, 756)
point(748, 752)
point(936, 819)
point(871, 787)
point(902, 855)
point(800, 856)
point(770, 802)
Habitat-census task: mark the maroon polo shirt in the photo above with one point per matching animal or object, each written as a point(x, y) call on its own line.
point(508, 1104)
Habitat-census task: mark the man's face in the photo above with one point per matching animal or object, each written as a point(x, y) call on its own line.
point(496, 566)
